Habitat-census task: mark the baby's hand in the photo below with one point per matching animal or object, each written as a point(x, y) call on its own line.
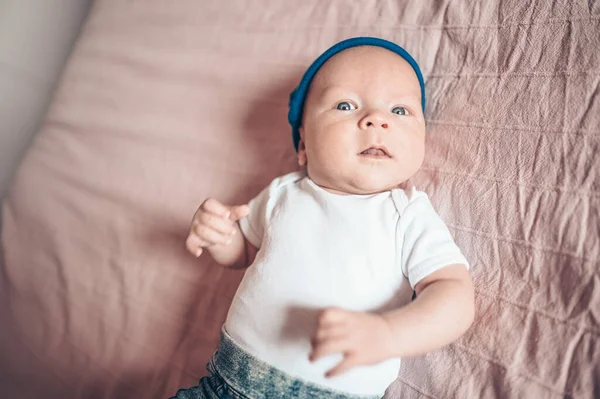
point(363, 338)
point(214, 224)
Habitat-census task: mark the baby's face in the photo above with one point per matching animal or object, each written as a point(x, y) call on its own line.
point(363, 129)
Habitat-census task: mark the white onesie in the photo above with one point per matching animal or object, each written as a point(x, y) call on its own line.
point(318, 249)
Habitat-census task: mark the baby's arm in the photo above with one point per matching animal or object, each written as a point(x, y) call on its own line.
point(215, 227)
point(442, 312)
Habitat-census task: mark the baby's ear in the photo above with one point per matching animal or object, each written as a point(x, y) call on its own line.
point(301, 153)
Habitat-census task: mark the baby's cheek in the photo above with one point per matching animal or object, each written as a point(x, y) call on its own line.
point(419, 148)
point(418, 156)
point(416, 143)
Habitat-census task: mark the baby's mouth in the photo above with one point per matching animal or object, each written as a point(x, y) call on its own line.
point(376, 152)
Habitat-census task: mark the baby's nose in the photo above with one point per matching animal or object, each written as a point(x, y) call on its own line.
point(374, 120)
point(383, 125)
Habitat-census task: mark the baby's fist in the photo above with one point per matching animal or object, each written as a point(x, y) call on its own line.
point(214, 224)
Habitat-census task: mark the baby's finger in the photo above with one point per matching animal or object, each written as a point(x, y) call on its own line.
point(194, 245)
point(345, 365)
point(239, 212)
point(328, 347)
point(332, 332)
point(332, 317)
point(213, 206)
point(210, 236)
point(218, 223)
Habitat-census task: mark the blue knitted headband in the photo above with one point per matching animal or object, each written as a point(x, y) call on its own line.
point(298, 96)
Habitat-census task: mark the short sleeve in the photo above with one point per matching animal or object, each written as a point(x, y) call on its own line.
point(427, 244)
point(253, 225)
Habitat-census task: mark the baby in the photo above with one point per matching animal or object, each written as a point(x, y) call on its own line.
point(335, 251)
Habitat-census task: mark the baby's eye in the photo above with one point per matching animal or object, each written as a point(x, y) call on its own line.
point(345, 106)
point(399, 111)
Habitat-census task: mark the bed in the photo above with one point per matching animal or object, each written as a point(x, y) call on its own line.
point(163, 104)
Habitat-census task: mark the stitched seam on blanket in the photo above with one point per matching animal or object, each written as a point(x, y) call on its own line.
point(496, 75)
point(583, 329)
point(589, 134)
point(419, 390)
point(508, 369)
point(556, 21)
point(568, 190)
point(526, 244)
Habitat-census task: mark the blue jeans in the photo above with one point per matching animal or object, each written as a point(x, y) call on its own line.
point(236, 374)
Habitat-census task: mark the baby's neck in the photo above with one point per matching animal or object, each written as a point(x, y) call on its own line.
point(336, 191)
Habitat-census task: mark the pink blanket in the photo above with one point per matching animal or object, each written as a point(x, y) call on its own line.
point(165, 103)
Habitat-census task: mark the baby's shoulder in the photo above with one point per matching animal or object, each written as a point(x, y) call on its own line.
point(285, 180)
point(273, 192)
point(409, 199)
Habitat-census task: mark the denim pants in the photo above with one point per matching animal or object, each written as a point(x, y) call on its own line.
point(236, 374)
